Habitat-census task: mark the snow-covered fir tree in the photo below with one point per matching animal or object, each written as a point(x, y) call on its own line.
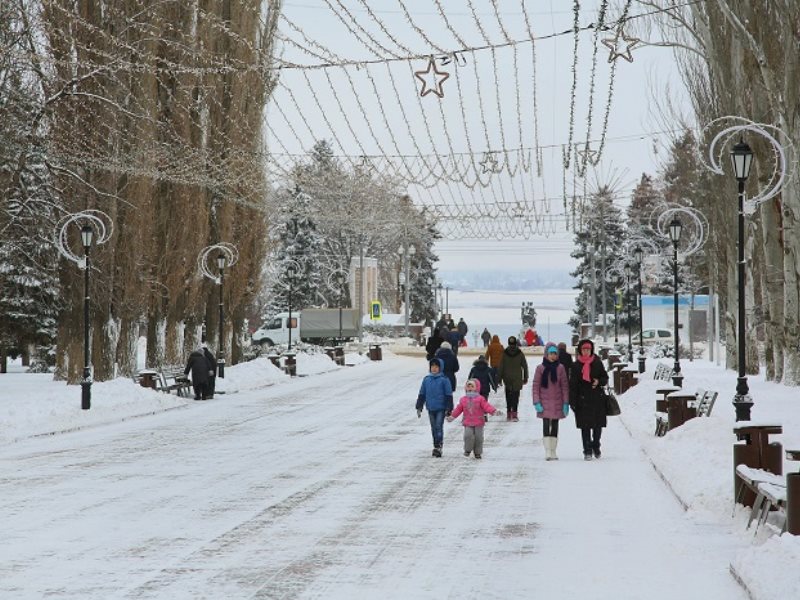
point(602, 234)
point(423, 279)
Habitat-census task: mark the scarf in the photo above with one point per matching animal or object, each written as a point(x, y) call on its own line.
point(550, 370)
point(586, 361)
point(471, 394)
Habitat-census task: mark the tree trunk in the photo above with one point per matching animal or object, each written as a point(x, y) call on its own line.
point(127, 347)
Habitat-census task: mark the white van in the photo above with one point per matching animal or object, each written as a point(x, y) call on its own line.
point(313, 325)
point(657, 336)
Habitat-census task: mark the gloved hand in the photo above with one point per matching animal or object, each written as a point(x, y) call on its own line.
point(449, 419)
point(539, 408)
point(419, 413)
point(566, 409)
point(447, 413)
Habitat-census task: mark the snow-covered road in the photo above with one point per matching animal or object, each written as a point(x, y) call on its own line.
point(323, 487)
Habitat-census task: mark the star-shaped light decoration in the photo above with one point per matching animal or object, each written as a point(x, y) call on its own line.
point(439, 77)
point(365, 164)
point(613, 43)
point(489, 164)
point(587, 155)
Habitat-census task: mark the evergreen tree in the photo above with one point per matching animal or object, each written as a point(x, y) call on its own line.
point(423, 279)
point(602, 235)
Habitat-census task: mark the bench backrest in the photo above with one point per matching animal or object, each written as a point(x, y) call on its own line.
point(706, 404)
point(662, 373)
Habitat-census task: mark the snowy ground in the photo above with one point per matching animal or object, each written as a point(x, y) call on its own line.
point(323, 487)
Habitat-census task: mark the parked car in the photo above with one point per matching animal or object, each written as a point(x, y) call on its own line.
point(657, 336)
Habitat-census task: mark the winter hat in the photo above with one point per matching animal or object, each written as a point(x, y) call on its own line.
point(551, 348)
point(480, 358)
point(512, 341)
point(446, 345)
point(434, 361)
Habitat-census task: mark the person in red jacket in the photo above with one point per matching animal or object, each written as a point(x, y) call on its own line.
point(474, 407)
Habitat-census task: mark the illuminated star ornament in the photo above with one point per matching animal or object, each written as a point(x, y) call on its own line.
point(613, 43)
point(587, 155)
point(489, 163)
point(439, 77)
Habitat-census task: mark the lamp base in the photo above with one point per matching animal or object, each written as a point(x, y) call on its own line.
point(742, 403)
point(641, 364)
point(86, 394)
point(677, 379)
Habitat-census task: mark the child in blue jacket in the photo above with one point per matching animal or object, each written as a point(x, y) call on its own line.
point(436, 394)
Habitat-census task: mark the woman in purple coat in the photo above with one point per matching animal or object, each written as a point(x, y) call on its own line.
point(550, 397)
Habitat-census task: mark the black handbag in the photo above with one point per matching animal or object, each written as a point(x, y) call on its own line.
point(612, 406)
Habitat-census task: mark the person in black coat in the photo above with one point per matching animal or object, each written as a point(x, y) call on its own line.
point(483, 373)
point(432, 345)
point(587, 381)
point(564, 357)
point(450, 361)
point(198, 365)
point(212, 371)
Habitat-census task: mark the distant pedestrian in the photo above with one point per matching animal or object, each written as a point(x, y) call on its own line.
point(513, 373)
point(486, 337)
point(462, 327)
point(530, 336)
point(475, 408)
point(450, 364)
point(494, 353)
point(436, 395)
point(587, 399)
point(564, 357)
point(455, 339)
point(550, 397)
point(199, 368)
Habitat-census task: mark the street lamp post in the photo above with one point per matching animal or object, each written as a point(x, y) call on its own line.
point(87, 235)
point(628, 275)
point(742, 159)
point(430, 283)
point(639, 254)
point(617, 305)
point(675, 236)
point(406, 254)
point(221, 351)
point(339, 284)
point(290, 272)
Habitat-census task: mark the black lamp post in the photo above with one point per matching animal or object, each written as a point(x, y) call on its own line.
point(628, 275)
point(339, 284)
point(87, 235)
point(221, 351)
point(742, 159)
point(290, 271)
point(617, 306)
point(675, 236)
point(441, 301)
point(433, 291)
point(639, 254)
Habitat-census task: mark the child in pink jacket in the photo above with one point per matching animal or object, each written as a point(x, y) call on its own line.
point(474, 406)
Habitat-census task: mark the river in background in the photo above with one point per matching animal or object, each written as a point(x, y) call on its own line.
point(500, 312)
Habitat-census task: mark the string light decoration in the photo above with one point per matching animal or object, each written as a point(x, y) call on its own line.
point(100, 222)
point(489, 164)
point(229, 251)
point(431, 72)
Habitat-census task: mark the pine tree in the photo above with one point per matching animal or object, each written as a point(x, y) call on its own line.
point(423, 279)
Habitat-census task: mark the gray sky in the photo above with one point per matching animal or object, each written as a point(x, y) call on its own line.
point(488, 104)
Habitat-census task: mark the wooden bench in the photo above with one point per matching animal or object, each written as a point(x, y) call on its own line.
point(701, 404)
point(769, 489)
point(662, 372)
point(174, 379)
point(705, 404)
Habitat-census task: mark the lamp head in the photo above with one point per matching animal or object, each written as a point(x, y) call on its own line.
point(742, 159)
point(638, 253)
point(401, 250)
point(221, 261)
point(412, 250)
point(87, 235)
point(675, 230)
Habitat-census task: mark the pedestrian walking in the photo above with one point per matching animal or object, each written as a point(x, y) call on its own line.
point(462, 327)
point(486, 337)
point(432, 345)
point(212, 371)
point(587, 398)
point(494, 353)
point(474, 408)
point(436, 395)
point(513, 374)
point(483, 373)
point(450, 364)
point(199, 368)
point(564, 357)
point(455, 339)
point(550, 397)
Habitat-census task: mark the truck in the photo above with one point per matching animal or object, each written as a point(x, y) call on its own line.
point(311, 325)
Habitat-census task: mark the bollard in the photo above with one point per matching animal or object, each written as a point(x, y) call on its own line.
point(793, 503)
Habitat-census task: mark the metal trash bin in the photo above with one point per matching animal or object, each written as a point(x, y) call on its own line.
point(147, 378)
point(290, 364)
point(375, 352)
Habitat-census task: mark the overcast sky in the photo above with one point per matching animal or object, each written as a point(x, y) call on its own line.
point(488, 104)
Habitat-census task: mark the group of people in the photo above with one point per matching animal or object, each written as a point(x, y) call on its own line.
point(203, 367)
point(560, 384)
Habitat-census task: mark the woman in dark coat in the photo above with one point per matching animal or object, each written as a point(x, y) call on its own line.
point(450, 362)
point(513, 373)
point(198, 365)
point(587, 379)
point(432, 345)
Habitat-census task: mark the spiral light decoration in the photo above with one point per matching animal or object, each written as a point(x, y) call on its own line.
point(99, 221)
point(230, 252)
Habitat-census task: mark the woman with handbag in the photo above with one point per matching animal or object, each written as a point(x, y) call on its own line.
point(587, 382)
